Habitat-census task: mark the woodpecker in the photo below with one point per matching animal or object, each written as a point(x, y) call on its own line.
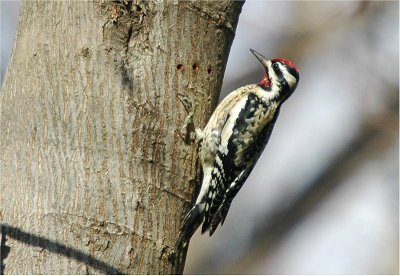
point(233, 140)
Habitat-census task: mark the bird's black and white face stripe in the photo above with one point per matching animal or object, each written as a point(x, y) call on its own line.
point(282, 72)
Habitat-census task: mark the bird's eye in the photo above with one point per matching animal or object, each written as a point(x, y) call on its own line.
point(275, 66)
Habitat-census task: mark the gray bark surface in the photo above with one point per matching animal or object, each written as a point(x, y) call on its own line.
point(96, 173)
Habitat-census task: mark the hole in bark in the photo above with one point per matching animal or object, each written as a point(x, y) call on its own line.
point(196, 67)
point(209, 70)
point(179, 67)
point(138, 8)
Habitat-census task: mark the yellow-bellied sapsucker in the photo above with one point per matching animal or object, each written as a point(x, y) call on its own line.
point(234, 139)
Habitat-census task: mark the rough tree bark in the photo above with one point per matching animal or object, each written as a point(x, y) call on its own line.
point(96, 172)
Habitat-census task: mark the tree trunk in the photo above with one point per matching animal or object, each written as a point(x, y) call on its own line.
point(96, 172)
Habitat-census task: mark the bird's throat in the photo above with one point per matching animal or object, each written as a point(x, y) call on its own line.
point(265, 82)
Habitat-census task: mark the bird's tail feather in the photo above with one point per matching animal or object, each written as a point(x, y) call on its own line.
point(192, 221)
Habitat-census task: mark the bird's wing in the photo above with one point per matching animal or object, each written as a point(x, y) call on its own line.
point(235, 158)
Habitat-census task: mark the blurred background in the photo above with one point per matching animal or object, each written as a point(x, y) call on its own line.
point(324, 196)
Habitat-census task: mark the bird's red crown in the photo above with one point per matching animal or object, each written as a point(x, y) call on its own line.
point(287, 62)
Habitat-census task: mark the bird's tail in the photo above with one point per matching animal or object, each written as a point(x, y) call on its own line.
point(192, 221)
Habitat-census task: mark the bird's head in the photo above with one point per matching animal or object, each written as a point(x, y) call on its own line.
point(280, 75)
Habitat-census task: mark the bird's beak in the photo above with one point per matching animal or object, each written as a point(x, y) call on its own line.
point(266, 81)
point(260, 57)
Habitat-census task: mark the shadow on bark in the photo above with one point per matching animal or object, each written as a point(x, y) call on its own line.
point(51, 246)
